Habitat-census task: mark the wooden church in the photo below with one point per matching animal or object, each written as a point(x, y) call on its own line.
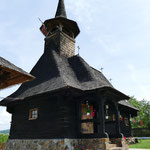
point(69, 103)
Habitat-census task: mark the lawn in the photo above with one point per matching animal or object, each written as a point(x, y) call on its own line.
point(144, 144)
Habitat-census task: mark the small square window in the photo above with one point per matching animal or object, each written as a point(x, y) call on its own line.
point(87, 128)
point(33, 114)
point(88, 118)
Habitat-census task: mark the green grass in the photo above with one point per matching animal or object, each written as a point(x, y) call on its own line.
point(144, 144)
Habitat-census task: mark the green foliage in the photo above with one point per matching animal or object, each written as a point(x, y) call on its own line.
point(143, 144)
point(3, 138)
point(143, 114)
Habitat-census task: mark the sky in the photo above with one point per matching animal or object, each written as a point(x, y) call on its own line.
point(115, 35)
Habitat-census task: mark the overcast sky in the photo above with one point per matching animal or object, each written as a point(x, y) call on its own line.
point(115, 35)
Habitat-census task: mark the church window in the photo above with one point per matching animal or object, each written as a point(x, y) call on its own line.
point(109, 113)
point(33, 114)
point(88, 118)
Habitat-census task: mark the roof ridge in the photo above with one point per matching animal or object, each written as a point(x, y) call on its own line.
point(62, 70)
point(86, 74)
point(102, 75)
point(56, 55)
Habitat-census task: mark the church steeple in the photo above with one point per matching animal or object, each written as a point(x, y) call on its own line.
point(61, 22)
point(61, 32)
point(61, 12)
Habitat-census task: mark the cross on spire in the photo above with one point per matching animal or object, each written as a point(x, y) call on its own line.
point(61, 12)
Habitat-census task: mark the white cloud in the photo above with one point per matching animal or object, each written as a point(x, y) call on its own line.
point(5, 119)
point(84, 12)
point(109, 44)
point(142, 87)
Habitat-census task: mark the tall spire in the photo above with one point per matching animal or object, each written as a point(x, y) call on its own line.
point(61, 12)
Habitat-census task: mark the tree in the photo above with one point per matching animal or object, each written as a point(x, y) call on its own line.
point(143, 114)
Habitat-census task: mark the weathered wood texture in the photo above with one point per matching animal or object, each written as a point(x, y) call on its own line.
point(11, 75)
point(56, 119)
point(126, 130)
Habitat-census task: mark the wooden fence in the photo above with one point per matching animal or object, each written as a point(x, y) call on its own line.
point(2, 146)
point(141, 132)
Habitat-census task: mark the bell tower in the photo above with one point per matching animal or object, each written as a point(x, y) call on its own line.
point(61, 33)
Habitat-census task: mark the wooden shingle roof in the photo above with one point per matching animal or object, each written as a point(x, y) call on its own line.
point(10, 74)
point(127, 104)
point(54, 72)
point(61, 12)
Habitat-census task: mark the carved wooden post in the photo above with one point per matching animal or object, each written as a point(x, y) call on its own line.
point(102, 117)
point(118, 129)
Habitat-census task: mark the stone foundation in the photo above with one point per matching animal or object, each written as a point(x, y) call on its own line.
point(120, 142)
point(59, 144)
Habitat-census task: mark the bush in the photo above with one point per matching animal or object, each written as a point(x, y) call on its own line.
point(143, 118)
point(3, 138)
